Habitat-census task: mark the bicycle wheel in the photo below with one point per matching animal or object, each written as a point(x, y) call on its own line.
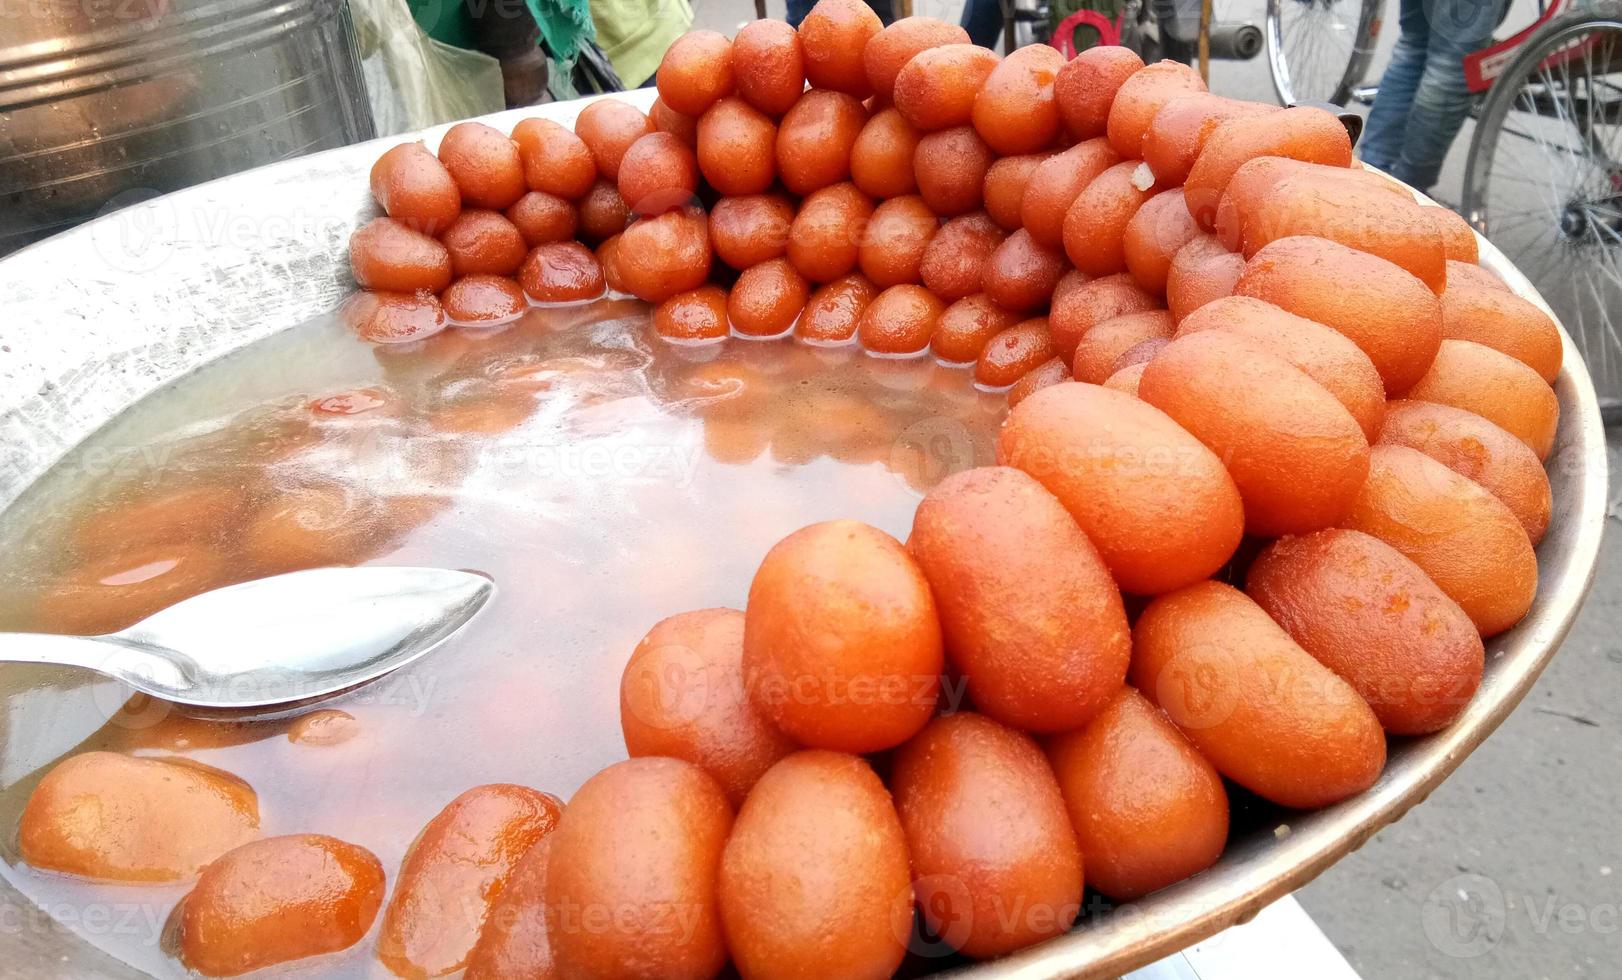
point(1543, 180)
point(1319, 50)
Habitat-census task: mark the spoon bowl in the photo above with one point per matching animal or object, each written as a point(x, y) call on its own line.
point(274, 641)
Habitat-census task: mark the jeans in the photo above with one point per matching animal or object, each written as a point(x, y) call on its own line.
point(983, 20)
point(797, 9)
point(1423, 97)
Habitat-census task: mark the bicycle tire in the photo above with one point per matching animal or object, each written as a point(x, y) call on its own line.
point(1568, 268)
point(1290, 85)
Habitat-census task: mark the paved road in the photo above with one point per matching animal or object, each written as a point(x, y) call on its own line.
point(1511, 871)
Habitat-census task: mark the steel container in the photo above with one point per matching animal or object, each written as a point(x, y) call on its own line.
point(107, 103)
point(110, 311)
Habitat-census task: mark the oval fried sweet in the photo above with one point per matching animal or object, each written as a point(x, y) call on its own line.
point(1087, 85)
point(1375, 618)
point(415, 189)
point(891, 48)
point(1148, 809)
point(1021, 275)
point(1506, 323)
point(737, 148)
point(695, 71)
point(1496, 387)
point(746, 231)
point(694, 316)
point(834, 311)
point(1475, 448)
point(388, 256)
point(1102, 346)
point(899, 320)
point(603, 213)
point(1004, 188)
point(950, 166)
point(1392, 316)
point(484, 242)
point(276, 900)
point(1158, 505)
point(555, 160)
point(485, 164)
point(824, 241)
point(1178, 132)
point(1463, 537)
point(1056, 182)
point(954, 262)
point(1261, 709)
point(111, 817)
point(608, 127)
point(562, 272)
point(815, 139)
point(870, 682)
point(815, 880)
point(936, 88)
point(895, 239)
point(1096, 222)
point(1154, 235)
point(986, 894)
point(965, 327)
point(541, 217)
point(1015, 111)
point(834, 37)
point(1200, 272)
point(1009, 355)
point(882, 156)
point(1077, 311)
point(1305, 133)
point(767, 298)
point(661, 256)
point(484, 299)
point(632, 871)
point(1030, 616)
point(1140, 97)
point(768, 65)
point(513, 945)
point(1367, 219)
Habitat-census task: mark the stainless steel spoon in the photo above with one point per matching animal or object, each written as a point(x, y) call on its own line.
point(274, 641)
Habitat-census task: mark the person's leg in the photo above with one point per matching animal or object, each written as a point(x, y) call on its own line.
point(983, 20)
point(1458, 27)
point(1383, 137)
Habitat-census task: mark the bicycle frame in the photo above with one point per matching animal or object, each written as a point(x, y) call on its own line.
point(1483, 68)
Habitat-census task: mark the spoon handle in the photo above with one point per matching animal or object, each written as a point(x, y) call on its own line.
point(113, 656)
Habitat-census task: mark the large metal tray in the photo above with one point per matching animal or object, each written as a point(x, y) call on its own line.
point(95, 318)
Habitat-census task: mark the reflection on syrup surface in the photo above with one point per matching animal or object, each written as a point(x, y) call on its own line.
point(603, 478)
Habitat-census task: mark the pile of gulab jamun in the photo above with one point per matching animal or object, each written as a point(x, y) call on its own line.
point(1272, 470)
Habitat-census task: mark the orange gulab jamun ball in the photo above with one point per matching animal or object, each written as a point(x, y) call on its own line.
point(882, 156)
point(1393, 317)
point(555, 160)
point(936, 88)
point(1261, 709)
point(889, 50)
point(815, 880)
point(1045, 375)
point(768, 66)
point(815, 139)
point(1104, 344)
point(1031, 617)
point(1325, 355)
point(1506, 323)
point(833, 38)
point(603, 213)
point(513, 943)
point(737, 148)
point(1139, 354)
point(955, 260)
point(1013, 353)
point(1087, 84)
point(695, 71)
point(638, 840)
point(1297, 455)
point(1200, 272)
point(1463, 537)
point(1158, 505)
point(1148, 809)
point(483, 298)
point(1153, 236)
point(393, 318)
point(415, 189)
point(824, 241)
point(1496, 387)
point(1475, 448)
point(964, 771)
point(608, 127)
point(767, 298)
point(1015, 111)
point(900, 320)
point(1004, 188)
point(834, 311)
point(1143, 95)
point(877, 631)
point(562, 272)
point(1304, 133)
point(276, 900)
point(485, 164)
point(386, 255)
point(1458, 238)
point(1255, 178)
point(696, 315)
point(895, 239)
point(1021, 275)
point(950, 166)
point(541, 217)
point(481, 241)
point(1126, 379)
point(1368, 220)
point(661, 256)
point(1055, 185)
point(679, 125)
point(452, 871)
point(608, 257)
point(746, 231)
point(1096, 222)
point(1077, 311)
point(965, 327)
point(1179, 130)
point(1377, 620)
